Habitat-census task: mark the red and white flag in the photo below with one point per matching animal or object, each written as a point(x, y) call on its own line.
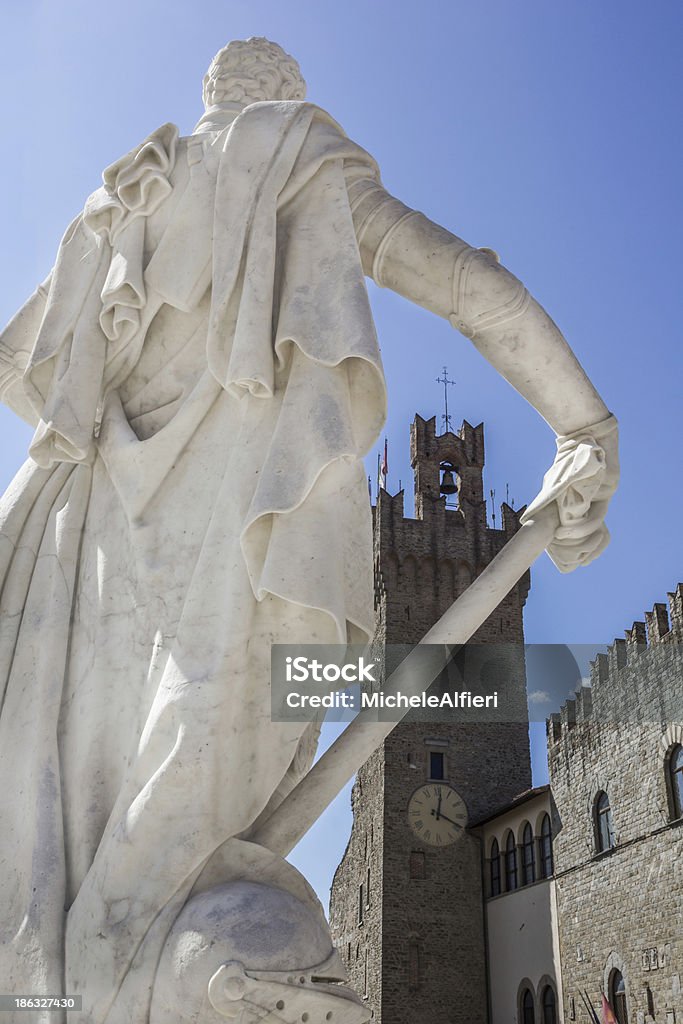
point(608, 1014)
point(384, 468)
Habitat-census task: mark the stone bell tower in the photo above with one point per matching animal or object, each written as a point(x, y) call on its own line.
point(407, 916)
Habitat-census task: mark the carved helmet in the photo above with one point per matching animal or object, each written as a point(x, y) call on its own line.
point(249, 952)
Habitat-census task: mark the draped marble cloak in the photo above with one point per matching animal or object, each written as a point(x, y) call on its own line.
point(204, 379)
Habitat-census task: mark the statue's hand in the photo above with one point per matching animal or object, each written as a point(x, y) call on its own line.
point(581, 481)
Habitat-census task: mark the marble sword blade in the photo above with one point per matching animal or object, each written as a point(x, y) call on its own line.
point(309, 798)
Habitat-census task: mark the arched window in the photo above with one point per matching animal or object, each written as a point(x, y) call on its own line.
point(549, 1006)
point(617, 993)
point(546, 848)
point(494, 869)
point(528, 856)
point(676, 781)
point(510, 863)
point(604, 829)
point(527, 1005)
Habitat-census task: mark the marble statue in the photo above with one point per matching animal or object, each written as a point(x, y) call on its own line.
point(204, 379)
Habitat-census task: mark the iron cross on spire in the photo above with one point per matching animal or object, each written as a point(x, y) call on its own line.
point(445, 419)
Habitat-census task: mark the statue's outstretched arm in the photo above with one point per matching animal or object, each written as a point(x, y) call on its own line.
point(401, 249)
point(16, 345)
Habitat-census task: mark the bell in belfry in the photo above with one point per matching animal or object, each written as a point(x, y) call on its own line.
point(448, 484)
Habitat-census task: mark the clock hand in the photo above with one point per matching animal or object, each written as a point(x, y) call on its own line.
point(443, 817)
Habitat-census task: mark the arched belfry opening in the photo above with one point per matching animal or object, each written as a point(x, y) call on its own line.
point(450, 483)
point(448, 467)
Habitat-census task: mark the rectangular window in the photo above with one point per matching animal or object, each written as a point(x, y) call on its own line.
point(413, 964)
point(360, 903)
point(417, 864)
point(436, 765)
point(367, 889)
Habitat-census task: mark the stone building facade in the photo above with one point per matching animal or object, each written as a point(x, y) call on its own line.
point(522, 927)
point(408, 917)
point(616, 774)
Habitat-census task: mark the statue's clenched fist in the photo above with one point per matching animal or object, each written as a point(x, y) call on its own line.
point(581, 481)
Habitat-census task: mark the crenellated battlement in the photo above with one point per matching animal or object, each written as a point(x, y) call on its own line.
point(424, 441)
point(461, 451)
point(638, 677)
point(423, 563)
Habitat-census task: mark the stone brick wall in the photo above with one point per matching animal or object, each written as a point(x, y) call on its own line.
point(623, 908)
point(357, 929)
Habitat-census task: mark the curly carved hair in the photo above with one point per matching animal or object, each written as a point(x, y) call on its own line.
point(249, 70)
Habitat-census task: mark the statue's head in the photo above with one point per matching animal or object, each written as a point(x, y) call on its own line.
point(249, 70)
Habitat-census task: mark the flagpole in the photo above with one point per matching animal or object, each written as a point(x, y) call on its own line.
point(384, 467)
point(592, 1012)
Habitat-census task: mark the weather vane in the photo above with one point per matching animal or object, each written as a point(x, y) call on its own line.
point(445, 419)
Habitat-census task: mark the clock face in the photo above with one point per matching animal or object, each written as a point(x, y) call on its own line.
point(437, 814)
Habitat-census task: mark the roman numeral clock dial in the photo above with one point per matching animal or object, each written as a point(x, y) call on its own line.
point(437, 814)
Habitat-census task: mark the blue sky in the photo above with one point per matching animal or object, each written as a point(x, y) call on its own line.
point(549, 132)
